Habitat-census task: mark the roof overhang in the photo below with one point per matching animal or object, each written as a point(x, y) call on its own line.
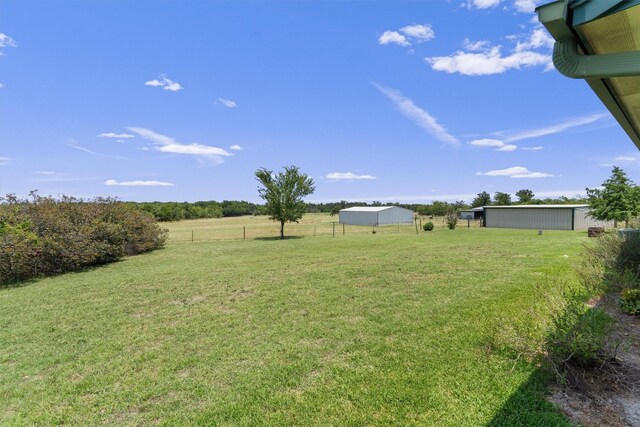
point(599, 41)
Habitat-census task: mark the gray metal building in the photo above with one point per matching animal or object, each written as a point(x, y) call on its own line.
point(475, 213)
point(546, 217)
point(376, 215)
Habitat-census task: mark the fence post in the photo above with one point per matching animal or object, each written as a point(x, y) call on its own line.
point(334, 229)
point(191, 236)
point(244, 232)
point(343, 229)
point(416, 227)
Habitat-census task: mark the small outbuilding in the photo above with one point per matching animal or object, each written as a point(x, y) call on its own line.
point(475, 213)
point(376, 215)
point(546, 217)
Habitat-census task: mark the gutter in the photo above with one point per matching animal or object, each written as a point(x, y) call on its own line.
point(570, 63)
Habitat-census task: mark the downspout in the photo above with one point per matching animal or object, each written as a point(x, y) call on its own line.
point(573, 219)
point(570, 63)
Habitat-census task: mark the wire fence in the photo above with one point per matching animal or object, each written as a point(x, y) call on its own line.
point(213, 232)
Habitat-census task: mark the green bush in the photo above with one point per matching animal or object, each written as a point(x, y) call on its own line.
point(579, 335)
point(452, 220)
point(428, 226)
point(630, 301)
point(46, 236)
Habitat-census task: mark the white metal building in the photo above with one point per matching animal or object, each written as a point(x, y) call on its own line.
point(547, 217)
point(376, 215)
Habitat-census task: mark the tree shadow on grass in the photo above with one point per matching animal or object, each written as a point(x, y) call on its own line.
point(14, 284)
point(267, 239)
point(527, 406)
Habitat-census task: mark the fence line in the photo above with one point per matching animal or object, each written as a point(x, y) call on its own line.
point(258, 231)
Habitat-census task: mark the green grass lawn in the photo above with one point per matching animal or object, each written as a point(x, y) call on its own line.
point(385, 329)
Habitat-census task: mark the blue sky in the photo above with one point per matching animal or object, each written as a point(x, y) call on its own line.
point(376, 100)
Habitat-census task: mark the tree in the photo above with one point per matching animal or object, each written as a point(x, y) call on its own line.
point(524, 196)
point(502, 199)
point(439, 208)
point(283, 193)
point(482, 199)
point(617, 200)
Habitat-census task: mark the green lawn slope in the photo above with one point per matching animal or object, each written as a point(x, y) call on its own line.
point(362, 329)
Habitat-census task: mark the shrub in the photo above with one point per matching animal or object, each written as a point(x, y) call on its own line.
point(452, 220)
point(559, 331)
point(630, 301)
point(47, 236)
point(428, 226)
point(579, 335)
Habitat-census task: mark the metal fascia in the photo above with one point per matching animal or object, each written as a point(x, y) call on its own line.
point(584, 11)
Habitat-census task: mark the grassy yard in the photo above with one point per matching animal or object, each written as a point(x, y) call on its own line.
point(384, 329)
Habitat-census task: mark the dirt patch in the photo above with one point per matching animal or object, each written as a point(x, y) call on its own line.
point(609, 396)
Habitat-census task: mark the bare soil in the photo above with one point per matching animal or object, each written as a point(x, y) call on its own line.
point(608, 395)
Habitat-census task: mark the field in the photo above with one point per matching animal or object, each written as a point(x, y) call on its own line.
point(251, 227)
point(363, 329)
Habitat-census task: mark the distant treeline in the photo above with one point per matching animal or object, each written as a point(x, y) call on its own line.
point(176, 211)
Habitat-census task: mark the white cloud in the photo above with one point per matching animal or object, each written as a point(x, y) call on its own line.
point(227, 103)
point(419, 32)
point(538, 38)
point(166, 144)
point(626, 159)
point(86, 150)
point(476, 46)
point(479, 58)
point(494, 143)
point(165, 84)
point(152, 136)
point(526, 6)
point(138, 183)
point(537, 148)
point(6, 41)
point(481, 4)
point(568, 123)
point(337, 176)
point(1, 85)
point(419, 116)
point(115, 135)
point(235, 147)
point(489, 62)
point(393, 37)
point(194, 149)
point(515, 172)
point(4, 161)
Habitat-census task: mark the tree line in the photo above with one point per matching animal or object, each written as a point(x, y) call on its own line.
point(177, 211)
point(524, 197)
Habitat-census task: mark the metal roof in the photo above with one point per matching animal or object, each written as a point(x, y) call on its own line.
point(536, 207)
point(369, 208)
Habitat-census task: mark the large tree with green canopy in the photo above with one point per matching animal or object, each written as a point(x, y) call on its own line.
point(283, 193)
point(617, 200)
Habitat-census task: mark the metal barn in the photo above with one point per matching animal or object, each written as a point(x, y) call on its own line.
point(475, 213)
point(547, 217)
point(376, 215)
